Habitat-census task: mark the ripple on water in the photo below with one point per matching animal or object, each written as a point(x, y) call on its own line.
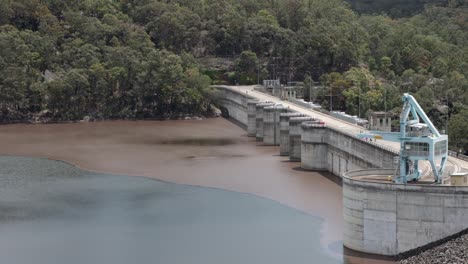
point(60, 214)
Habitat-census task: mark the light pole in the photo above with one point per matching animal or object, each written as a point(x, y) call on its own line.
point(331, 99)
point(385, 99)
point(310, 85)
point(258, 73)
point(359, 101)
point(448, 110)
point(310, 91)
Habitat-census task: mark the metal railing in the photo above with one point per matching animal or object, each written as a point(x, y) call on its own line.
point(302, 103)
point(457, 155)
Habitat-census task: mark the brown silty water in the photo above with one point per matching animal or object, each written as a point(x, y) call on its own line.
point(211, 153)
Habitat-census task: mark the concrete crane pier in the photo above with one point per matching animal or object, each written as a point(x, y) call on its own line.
point(295, 132)
point(251, 117)
point(284, 131)
point(259, 119)
point(271, 124)
point(314, 146)
point(386, 218)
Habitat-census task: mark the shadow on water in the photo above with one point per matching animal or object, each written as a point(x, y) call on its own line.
point(200, 141)
point(350, 255)
point(223, 156)
point(333, 178)
point(288, 161)
point(188, 141)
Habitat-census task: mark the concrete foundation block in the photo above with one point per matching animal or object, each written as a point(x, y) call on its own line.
point(314, 146)
point(259, 119)
point(295, 136)
point(251, 116)
point(284, 131)
point(271, 124)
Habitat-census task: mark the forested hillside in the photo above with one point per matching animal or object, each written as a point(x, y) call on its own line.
point(71, 59)
point(137, 58)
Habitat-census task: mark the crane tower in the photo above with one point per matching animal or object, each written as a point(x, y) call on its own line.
point(418, 141)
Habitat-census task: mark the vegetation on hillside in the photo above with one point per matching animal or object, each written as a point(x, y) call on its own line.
point(68, 59)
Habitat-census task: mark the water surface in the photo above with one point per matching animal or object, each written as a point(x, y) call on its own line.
point(209, 153)
point(52, 213)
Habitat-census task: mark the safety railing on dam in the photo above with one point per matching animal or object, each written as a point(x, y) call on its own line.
point(457, 155)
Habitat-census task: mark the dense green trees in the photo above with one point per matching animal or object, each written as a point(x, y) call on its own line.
point(67, 59)
point(457, 131)
point(247, 68)
point(395, 8)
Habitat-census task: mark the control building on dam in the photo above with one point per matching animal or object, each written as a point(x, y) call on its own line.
point(380, 216)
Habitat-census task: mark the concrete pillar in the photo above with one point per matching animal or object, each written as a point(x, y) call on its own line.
point(271, 124)
point(279, 111)
point(259, 119)
point(284, 131)
point(295, 131)
point(314, 146)
point(251, 117)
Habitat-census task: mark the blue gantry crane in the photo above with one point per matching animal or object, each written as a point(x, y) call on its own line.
point(418, 141)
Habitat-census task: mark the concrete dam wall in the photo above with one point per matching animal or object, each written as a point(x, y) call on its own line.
point(380, 217)
point(339, 152)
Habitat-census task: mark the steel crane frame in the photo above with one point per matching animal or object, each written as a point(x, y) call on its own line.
point(415, 146)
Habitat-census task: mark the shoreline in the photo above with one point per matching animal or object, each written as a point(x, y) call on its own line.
point(48, 122)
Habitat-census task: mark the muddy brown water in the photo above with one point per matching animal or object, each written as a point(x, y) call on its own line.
point(210, 153)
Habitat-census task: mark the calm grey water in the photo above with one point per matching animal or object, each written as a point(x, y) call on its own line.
point(51, 212)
